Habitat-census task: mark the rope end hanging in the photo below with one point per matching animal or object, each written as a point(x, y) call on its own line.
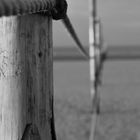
point(60, 10)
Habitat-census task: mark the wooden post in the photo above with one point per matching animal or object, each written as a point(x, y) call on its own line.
point(26, 85)
point(92, 16)
point(93, 51)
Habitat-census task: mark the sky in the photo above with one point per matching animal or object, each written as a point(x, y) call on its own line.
point(120, 18)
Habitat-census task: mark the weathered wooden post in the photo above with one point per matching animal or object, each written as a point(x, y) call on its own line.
point(26, 78)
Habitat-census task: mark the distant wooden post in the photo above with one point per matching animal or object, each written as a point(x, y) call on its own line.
point(93, 58)
point(26, 85)
point(92, 49)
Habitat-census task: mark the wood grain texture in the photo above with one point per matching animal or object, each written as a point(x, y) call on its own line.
point(26, 77)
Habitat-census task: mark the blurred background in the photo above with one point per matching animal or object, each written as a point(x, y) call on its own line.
point(121, 22)
point(120, 90)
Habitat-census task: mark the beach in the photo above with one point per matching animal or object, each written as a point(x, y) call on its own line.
point(120, 95)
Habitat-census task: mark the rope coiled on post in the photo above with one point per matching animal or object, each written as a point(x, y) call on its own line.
point(55, 8)
point(21, 7)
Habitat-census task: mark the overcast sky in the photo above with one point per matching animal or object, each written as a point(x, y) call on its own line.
point(120, 18)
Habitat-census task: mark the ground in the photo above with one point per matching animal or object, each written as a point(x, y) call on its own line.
point(120, 95)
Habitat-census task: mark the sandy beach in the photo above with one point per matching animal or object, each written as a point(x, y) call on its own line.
point(120, 95)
